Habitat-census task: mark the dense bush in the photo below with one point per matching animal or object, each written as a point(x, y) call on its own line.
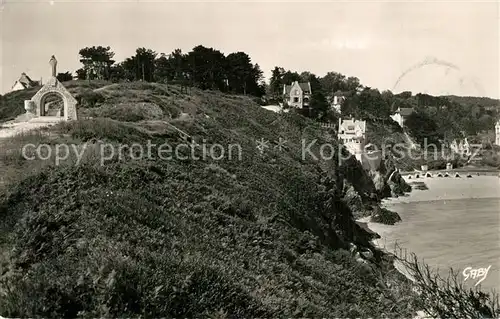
point(132, 112)
point(448, 297)
point(90, 99)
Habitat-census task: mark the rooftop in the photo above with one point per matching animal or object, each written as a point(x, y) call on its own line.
point(352, 126)
point(26, 81)
point(405, 111)
point(305, 86)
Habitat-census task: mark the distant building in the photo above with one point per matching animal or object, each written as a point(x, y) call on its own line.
point(337, 101)
point(402, 114)
point(24, 82)
point(462, 147)
point(297, 94)
point(497, 133)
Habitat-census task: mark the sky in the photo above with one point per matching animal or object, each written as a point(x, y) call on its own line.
point(434, 47)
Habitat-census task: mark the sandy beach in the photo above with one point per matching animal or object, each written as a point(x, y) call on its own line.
point(449, 188)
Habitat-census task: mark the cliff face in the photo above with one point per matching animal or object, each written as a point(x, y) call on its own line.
point(363, 190)
point(392, 177)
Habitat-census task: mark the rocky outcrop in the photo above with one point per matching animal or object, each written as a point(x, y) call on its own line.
point(353, 199)
point(398, 185)
point(385, 216)
point(381, 185)
point(363, 191)
point(359, 191)
point(394, 184)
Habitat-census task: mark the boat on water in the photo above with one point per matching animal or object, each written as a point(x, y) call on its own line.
point(469, 175)
point(457, 175)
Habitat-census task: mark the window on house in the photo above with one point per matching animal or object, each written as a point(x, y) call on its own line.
point(296, 99)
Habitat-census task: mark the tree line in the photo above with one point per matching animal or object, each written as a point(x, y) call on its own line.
point(209, 68)
point(360, 101)
point(202, 67)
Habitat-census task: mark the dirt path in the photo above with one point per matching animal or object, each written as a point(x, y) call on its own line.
point(12, 129)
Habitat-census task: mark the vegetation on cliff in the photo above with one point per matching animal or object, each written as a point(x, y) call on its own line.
point(263, 236)
point(269, 234)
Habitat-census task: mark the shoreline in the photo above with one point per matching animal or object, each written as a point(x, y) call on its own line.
point(430, 194)
point(437, 189)
point(377, 244)
point(398, 265)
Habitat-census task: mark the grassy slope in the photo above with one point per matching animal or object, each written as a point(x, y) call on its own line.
point(12, 104)
point(258, 237)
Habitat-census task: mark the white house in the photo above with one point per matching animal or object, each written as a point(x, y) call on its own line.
point(24, 82)
point(297, 94)
point(497, 133)
point(401, 115)
point(352, 133)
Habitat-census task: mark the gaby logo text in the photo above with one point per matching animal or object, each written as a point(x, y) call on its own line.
point(469, 272)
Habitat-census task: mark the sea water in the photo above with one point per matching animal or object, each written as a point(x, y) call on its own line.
point(454, 223)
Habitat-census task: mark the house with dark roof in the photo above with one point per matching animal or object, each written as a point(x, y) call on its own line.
point(24, 82)
point(297, 94)
point(402, 114)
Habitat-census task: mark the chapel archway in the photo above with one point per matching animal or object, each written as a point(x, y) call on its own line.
point(52, 104)
point(52, 100)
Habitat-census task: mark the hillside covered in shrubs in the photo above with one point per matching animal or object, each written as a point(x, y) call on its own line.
point(266, 234)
